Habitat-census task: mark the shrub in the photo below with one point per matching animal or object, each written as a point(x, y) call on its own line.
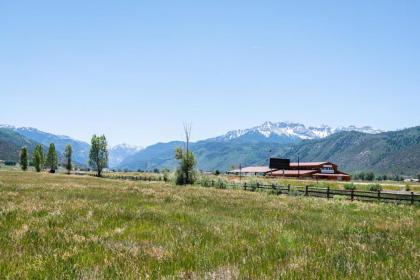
point(221, 184)
point(166, 175)
point(407, 187)
point(253, 185)
point(205, 181)
point(349, 186)
point(375, 187)
point(217, 172)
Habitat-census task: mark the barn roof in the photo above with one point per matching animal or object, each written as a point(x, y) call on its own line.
point(293, 172)
point(310, 164)
point(331, 175)
point(252, 169)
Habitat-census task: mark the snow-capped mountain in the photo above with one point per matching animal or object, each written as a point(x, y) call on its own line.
point(288, 132)
point(120, 152)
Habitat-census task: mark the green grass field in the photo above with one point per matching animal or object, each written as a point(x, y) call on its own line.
point(59, 226)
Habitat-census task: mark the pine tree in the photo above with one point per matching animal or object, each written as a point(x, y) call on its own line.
point(24, 158)
point(38, 158)
point(68, 155)
point(52, 159)
point(98, 156)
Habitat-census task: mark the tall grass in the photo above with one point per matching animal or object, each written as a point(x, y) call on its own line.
point(81, 227)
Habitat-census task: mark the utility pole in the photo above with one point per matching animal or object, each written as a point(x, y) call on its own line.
point(298, 166)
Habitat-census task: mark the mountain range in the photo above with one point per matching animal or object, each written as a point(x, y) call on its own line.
point(13, 138)
point(287, 132)
point(251, 146)
point(352, 148)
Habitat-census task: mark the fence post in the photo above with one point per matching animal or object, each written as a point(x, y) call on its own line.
point(288, 189)
point(245, 186)
point(274, 188)
point(379, 195)
point(328, 193)
point(352, 194)
point(306, 191)
point(258, 186)
point(412, 197)
point(212, 183)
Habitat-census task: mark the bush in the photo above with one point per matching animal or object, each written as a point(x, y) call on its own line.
point(253, 185)
point(349, 186)
point(375, 187)
point(221, 184)
point(166, 176)
point(205, 181)
point(217, 172)
point(407, 187)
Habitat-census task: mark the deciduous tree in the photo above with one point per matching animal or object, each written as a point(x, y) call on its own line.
point(24, 158)
point(98, 156)
point(38, 158)
point(52, 159)
point(68, 158)
point(185, 173)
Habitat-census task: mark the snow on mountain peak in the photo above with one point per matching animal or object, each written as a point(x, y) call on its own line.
point(125, 146)
point(293, 130)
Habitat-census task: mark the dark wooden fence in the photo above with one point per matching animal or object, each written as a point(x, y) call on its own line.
point(385, 196)
point(328, 193)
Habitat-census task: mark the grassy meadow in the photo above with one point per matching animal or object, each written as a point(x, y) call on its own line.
point(66, 226)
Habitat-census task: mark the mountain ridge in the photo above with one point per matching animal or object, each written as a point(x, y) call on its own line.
point(293, 130)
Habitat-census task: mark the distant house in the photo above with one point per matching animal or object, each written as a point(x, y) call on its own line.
point(315, 170)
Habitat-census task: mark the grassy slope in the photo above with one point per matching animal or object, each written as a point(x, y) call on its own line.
point(11, 144)
point(87, 227)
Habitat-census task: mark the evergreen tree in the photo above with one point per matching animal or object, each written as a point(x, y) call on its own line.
point(98, 156)
point(52, 158)
point(68, 155)
point(24, 158)
point(38, 158)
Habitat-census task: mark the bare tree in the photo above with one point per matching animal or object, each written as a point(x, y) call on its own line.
point(187, 132)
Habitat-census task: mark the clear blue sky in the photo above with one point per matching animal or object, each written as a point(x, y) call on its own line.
point(136, 70)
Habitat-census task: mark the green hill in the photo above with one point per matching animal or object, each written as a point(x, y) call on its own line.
point(11, 143)
point(394, 152)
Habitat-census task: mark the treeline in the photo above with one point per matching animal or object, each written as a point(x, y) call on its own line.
point(41, 161)
point(370, 176)
point(98, 157)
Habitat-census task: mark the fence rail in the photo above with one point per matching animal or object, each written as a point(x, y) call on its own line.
point(328, 193)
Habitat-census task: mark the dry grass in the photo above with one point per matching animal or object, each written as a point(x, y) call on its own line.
point(59, 226)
